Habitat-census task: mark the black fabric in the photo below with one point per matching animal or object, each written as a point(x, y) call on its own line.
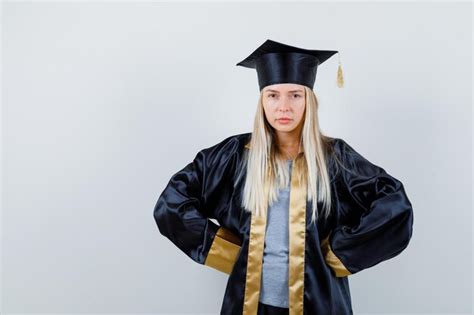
point(276, 62)
point(371, 221)
point(266, 309)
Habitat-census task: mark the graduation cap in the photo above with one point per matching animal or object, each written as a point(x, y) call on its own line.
point(280, 63)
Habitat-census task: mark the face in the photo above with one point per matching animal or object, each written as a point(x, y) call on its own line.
point(285, 100)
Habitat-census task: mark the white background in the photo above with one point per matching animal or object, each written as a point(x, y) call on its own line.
point(102, 102)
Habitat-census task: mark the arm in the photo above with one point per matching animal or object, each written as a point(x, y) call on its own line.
point(386, 217)
point(182, 216)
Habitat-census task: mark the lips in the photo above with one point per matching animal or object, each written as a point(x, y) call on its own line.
point(284, 121)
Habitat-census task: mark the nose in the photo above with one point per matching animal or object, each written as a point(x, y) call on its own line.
point(284, 105)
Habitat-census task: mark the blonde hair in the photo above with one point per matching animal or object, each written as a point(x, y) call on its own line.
point(267, 171)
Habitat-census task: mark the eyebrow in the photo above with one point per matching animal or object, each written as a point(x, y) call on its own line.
point(292, 91)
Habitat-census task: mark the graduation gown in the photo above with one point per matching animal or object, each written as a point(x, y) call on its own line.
point(371, 221)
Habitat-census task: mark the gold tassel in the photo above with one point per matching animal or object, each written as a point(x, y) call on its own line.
point(340, 77)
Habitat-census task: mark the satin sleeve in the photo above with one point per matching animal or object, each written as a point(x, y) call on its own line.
point(384, 212)
point(182, 212)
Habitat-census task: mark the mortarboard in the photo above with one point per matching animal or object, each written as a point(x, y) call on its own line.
point(280, 63)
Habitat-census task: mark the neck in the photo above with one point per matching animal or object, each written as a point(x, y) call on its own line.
point(287, 140)
point(288, 144)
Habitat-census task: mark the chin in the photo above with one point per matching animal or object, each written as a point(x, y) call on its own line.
point(285, 128)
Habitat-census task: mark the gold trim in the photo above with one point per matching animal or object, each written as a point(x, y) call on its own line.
point(297, 230)
point(224, 251)
point(255, 260)
point(254, 264)
point(332, 260)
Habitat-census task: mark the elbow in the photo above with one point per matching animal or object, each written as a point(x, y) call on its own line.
point(407, 227)
point(406, 214)
point(410, 224)
point(159, 215)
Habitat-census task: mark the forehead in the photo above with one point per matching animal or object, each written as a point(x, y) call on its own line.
point(284, 88)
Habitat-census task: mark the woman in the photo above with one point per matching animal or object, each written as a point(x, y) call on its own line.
point(298, 211)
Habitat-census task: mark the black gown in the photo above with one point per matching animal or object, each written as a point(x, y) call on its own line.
point(371, 221)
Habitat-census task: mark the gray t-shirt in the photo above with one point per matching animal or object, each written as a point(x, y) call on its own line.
point(274, 280)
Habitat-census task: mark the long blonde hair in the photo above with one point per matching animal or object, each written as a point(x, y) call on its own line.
point(267, 172)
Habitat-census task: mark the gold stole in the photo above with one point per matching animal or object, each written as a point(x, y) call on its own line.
point(297, 229)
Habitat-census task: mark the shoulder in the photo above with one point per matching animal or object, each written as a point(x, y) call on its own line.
point(352, 160)
point(343, 149)
point(225, 148)
point(339, 145)
point(230, 143)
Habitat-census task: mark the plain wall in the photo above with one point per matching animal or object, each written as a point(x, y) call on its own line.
point(102, 102)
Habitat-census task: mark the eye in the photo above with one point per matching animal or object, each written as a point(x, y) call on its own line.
point(271, 95)
point(297, 95)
